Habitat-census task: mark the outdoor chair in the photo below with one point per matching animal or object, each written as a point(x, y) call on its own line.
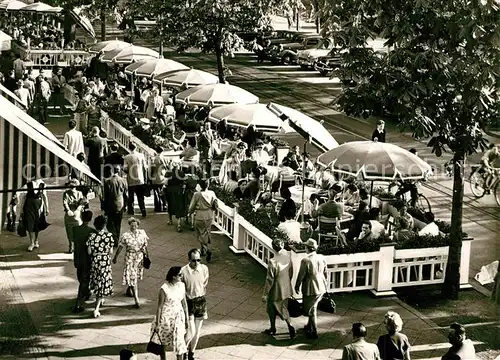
point(327, 228)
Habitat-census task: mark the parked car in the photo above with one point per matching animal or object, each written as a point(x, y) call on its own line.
point(277, 38)
point(329, 63)
point(307, 58)
point(287, 53)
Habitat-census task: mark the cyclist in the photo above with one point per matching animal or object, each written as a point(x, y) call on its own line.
point(487, 161)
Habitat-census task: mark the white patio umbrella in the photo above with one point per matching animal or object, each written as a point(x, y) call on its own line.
point(5, 41)
point(312, 130)
point(109, 45)
point(42, 7)
point(82, 20)
point(153, 67)
point(129, 54)
point(375, 161)
point(250, 114)
point(216, 95)
point(188, 78)
point(12, 5)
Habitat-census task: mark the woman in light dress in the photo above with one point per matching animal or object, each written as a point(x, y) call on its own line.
point(169, 327)
point(135, 243)
point(278, 288)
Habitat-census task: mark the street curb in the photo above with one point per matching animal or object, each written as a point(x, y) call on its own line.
point(492, 134)
point(421, 316)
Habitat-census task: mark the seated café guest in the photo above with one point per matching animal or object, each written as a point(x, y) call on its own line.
point(309, 169)
point(378, 228)
point(178, 136)
point(371, 201)
point(259, 155)
point(404, 231)
point(190, 156)
point(431, 228)
point(253, 187)
point(288, 205)
point(290, 227)
point(247, 164)
point(361, 215)
point(323, 178)
point(351, 195)
point(232, 183)
point(269, 147)
point(293, 158)
point(232, 161)
point(330, 209)
point(403, 214)
point(238, 192)
point(366, 232)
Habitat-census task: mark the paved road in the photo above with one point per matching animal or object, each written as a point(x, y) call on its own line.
point(309, 92)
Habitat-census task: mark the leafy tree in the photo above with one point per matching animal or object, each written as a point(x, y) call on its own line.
point(440, 79)
point(93, 9)
point(210, 25)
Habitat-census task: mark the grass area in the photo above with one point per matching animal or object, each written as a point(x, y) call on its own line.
point(473, 310)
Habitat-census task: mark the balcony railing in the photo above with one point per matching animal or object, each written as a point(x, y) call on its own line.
point(41, 58)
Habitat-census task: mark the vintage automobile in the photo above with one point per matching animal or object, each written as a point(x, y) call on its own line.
point(307, 58)
point(287, 53)
point(329, 63)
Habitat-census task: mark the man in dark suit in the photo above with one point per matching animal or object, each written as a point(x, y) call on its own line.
point(97, 151)
point(114, 158)
point(113, 202)
point(81, 259)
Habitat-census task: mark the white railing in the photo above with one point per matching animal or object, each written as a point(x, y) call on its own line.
point(50, 58)
point(378, 271)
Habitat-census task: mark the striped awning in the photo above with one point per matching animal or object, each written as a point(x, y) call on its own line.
point(28, 154)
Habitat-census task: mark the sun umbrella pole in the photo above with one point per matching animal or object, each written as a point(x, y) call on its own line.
point(371, 194)
point(303, 182)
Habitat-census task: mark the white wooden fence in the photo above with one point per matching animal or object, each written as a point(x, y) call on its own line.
point(378, 271)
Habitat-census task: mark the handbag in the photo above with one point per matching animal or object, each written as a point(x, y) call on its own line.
point(155, 348)
point(146, 262)
point(42, 223)
point(295, 308)
point(21, 230)
point(327, 304)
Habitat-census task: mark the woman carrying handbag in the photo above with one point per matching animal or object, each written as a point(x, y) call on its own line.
point(135, 243)
point(170, 325)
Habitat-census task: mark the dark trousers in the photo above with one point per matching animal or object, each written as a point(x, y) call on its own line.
point(83, 276)
point(58, 100)
point(160, 198)
point(114, 224)
point(138, 190)
point(42, 110)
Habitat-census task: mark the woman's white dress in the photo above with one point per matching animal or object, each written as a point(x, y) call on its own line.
point(172, 325)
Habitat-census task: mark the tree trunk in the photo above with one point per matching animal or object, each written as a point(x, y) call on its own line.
point(220, 63)
point(297, 25)
point(317, 18)
point(103, 23)
point(451, 283)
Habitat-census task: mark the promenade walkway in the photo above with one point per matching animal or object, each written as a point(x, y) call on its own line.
point(38, 291)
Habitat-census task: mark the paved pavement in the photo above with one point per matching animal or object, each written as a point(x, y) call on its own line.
point(44, 284)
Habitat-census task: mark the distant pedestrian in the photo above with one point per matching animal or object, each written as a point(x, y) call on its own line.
point(203, 204)
point(278, 288)
point(73, 140)
point(81, 259)
point(195, 276)
point(135, 243)
point(19, 67)
point(461, 347)
point(360, 349)
point(379, 133)
point(393, 345)
point(44, 97)
point(113, 202)
point(73, 204)
point(23, 94)
point(172, 319)
point(58, 85)
point(312, 280)
point(100, 249)
point(98, 149)
point(135, 168)
point(30, 216)
point(112, 159)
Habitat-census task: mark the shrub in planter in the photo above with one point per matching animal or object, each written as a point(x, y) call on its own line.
point(279, 143)
point(383, 194)
point(414, 241)
point(397, 203)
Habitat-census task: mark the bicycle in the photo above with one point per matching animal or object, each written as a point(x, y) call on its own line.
point(417, 200)
point(478, 178)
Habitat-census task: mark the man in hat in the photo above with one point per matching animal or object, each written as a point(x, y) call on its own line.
point(312, 280)
point(260, 155)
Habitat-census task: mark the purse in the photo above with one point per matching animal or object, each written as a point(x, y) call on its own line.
point(155, 348)
point(146, 262)
point(295, 308)
point(21, 230)
point(42, 223)
point(327, 304)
